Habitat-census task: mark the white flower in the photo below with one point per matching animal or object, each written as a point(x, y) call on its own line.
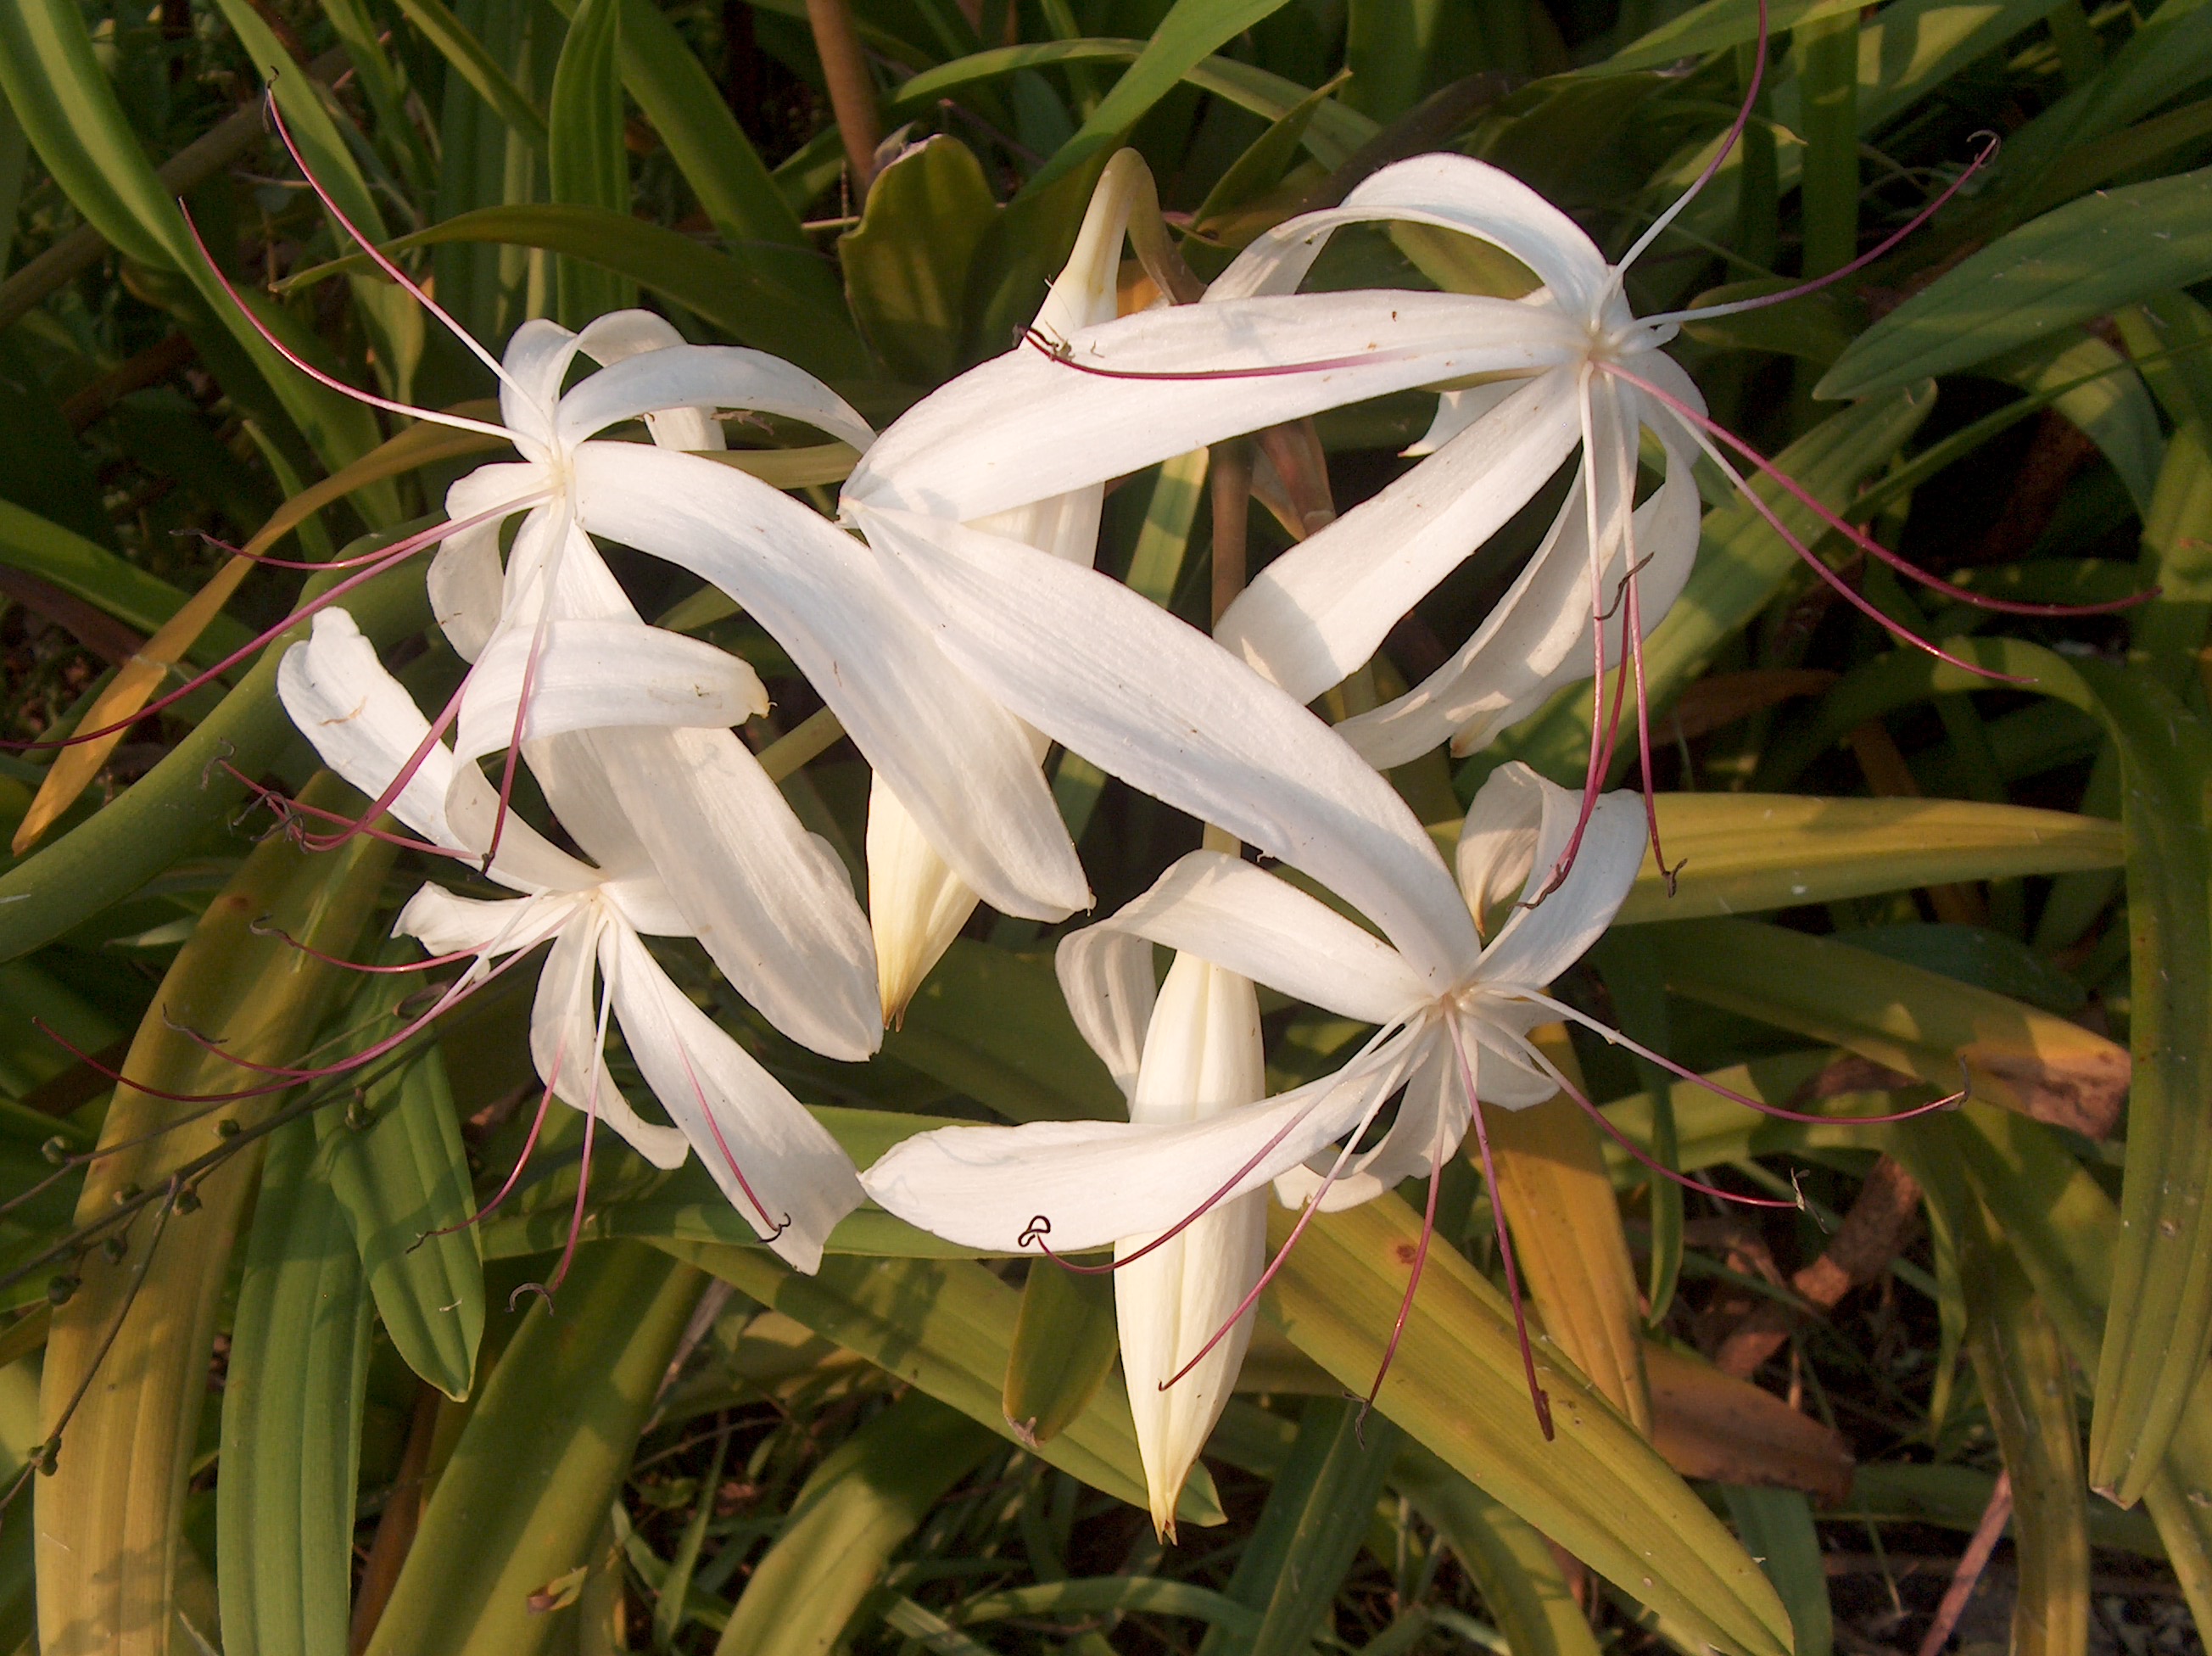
point(916, 903)
point(1567, 368)
point(778, 1165)
point(1452, 1017)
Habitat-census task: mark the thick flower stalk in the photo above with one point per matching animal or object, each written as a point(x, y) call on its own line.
point(779, 1168)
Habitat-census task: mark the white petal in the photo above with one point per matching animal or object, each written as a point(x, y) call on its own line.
point(1120, 681)
point(565, 1044)
point(1224, 910)
point(705, 377)
point(1026, 425)
point(748, 1130)
point(1513, 836)
point(1106, 977)
point(538, 356)
point(363, 723)
point(1167, 1305)
point(1433, 1117)
point(770, 902)
point(554, 569)
point(1087, 289)
point(960, 763)
point(594, 675)
point(464, 584)
point(1510, 1073)
point(1097, 1183)
point(916, 903)
point(620, 334)
point(447, 924)
point(1454, 194)
point(1318, 611)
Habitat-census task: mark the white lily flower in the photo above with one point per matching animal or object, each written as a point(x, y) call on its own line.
point(777, 1164)
point(1568, 368)
point(1181, 1300)
point(916, 903)
point(1445, 1033)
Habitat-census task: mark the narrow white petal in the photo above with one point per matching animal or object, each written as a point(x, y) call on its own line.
point(1513, 836)
point(1317, 612)
point(770, 902)
point(538, 356)
point(565, 1043)
point(1087, 289)
point(1117, 679)
point(1433, 1117)
point(1106, 976)
point(363, 723)
point(748, 1130)
point(916, 903)
point(619, 334)
point(447, 924)
point(998, 435)
point(1452, 192)
point(705, 377)
point(1458, 409)
point(465, 583)
point(591, 675)
point(1223, 910)
point(961, 764)
point(1094, 1183)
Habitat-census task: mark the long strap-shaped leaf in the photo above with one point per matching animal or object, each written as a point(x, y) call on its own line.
point(134, 1338)
point(1598, 1488)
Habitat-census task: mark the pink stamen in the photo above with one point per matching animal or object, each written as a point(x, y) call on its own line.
point(1582, 1100)
point(420, 295)
point(413, 764)
point(551, 1285)
point(1537, 1394)
point(369, 398)
point(1987, 153)
point(274, 563)
point(1858, 537)
point(1413, 1277)
point(261, 928)
point(1633, 631)
point(287, 812)
point(1734, 135)
point(514, 1177)
point(1952, 1101)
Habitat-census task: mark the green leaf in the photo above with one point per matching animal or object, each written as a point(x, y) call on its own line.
point(1599, 1489)
point(1777, 1525)
point(1186, 36)
point(868, 1495)
point(1065, 1344)
point(585, 156)
point(947, 1326)
point(401, 1180)
point(292, 1403)
point(1714, 27)
point(476, 66)
point(1744, 852)
point(2090, 257)
point(741, 299)
point(994, 1025)
point(1524, 1589)
point(1943, 1032)
point(78, 567)
point(163, 814)
point(907, 263)
point(542, 1453)
point(1310, 1531)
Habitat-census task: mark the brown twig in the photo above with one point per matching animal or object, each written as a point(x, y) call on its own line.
point(1995, 1516)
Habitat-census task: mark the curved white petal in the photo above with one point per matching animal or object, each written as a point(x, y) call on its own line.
point(959, 762)
point(1513, 836)
point(1097, 1183)
point(1224, 910)
point(591, 675)
point(447, 924)
point(565, 1044)
point(1452, 192)
point(364, 724)
point(1319, 611)
point(465, 584)
point(1117, 679)
point(1432, 1118)
point(1087, 289)
point(619, 334)
point(999, 436)
point(777, 1164)
point(770, 902)
point(1458, 409)
point(538, 356)
point(1106, 977)
point(705, 377)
